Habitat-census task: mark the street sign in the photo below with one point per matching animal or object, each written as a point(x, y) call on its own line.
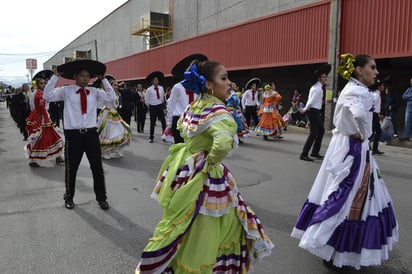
point(31, 63)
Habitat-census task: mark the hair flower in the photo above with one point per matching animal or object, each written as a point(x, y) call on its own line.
point(193, 81)
point(34, 84)
point(346, 65)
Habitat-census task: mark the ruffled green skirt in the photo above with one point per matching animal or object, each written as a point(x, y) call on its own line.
point(206, 226)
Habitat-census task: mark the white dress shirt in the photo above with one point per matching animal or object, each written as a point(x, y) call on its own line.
point(248, 100)
point(377, 101)
point(31, 94)
point(178, 101)
point(73, 117)
point(151, 96)
point(315, 97)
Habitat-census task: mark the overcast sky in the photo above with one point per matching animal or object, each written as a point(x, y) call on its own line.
point(39, 28)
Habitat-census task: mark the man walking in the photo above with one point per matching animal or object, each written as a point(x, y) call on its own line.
point(155, 101)
point(313, 109)
point(250, 101)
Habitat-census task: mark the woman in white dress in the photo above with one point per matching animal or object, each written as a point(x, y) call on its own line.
point(114, 132)
point(348, 217)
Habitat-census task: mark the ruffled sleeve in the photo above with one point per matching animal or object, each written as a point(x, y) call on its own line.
point(222, 133)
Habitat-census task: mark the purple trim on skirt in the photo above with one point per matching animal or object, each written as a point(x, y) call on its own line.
point(160, 252)
point(164, 250)
point(239, 258)
point(373, 233)
point(312, 213)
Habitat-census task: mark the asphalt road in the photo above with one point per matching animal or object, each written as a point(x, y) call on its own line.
point(38, 235)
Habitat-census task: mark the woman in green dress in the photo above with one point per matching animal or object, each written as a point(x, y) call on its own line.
point(206, 226)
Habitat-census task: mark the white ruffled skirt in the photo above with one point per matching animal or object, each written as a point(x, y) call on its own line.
point(348, 217)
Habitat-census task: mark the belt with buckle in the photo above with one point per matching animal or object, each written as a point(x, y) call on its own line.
point(82, 130)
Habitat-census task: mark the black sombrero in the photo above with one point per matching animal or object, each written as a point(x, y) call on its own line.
point(44, 74)
point(324, 69)
point(155, 74)
point(252, 81)
point(179, 69)
point(68, 70)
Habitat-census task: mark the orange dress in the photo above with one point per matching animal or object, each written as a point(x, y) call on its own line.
point(270, 119)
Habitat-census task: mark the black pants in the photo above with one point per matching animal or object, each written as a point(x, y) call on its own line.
point(54, 112)
point(126, 115)
point(78, 142)
point(141, 117)
point(175, 131)
point(156, 112)
point(251, 112)
point(316, 133)
point(97, 112)
point(393, 114)
point(377, 131)
point(22, 127)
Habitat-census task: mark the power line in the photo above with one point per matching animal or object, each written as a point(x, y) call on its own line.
point(6, 59)
point(5, 62)
point(33, 53)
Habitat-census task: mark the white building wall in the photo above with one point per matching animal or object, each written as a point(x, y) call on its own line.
point(110, 39)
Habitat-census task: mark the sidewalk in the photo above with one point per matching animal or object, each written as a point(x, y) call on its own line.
point(391, 142)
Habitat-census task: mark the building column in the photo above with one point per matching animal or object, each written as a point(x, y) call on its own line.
point(333, 51)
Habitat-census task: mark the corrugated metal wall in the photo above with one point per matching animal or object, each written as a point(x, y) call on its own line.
point(298, 36)
point(380, 28)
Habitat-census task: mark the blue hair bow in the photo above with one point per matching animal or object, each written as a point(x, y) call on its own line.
point(193, 81)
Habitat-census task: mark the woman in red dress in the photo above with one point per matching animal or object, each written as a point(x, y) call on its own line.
point(44, 142)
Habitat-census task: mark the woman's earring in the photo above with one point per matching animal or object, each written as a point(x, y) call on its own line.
point(213, 92)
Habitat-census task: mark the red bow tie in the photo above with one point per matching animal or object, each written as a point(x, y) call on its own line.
point(157, 93)
point(83, 99)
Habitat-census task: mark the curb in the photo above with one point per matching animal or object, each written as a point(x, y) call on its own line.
point(392, 142)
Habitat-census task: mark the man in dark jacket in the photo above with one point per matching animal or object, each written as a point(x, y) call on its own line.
point(128, 99)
